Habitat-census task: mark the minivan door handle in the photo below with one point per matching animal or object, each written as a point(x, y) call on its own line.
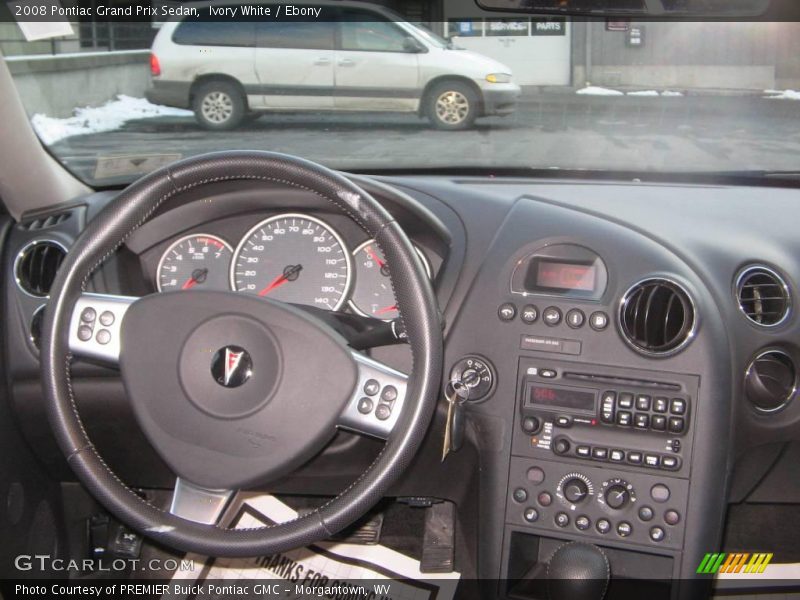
point(322, 61)
point(347, 62)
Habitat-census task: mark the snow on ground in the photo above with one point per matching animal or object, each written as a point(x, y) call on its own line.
point(593, 90)
point(95, 119)
point(671, 94)
point(644, 93)
point(782, 94)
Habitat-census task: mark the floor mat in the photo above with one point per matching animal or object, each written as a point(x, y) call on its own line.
point(324, 569)
point(764, 528)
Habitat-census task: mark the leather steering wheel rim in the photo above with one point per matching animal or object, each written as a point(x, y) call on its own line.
point(109, 230)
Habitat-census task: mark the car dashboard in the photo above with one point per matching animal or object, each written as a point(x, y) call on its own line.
point(626, 343)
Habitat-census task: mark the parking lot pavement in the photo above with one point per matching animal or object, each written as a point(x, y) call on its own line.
point(547, 131)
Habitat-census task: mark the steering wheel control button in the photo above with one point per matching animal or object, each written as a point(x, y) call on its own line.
point(583, 522)
point(657, 534)
point(365, 406)
point(372, 387)
point(507, 312)
point(107, 318)
point(383, 412)
point(603, 526)
point(561, 519)
point(535, 475)
point(103, 336)
point(88, 315)
point(231, 366)
point(659, 492)
point(551, 316)
point(529, 314)
point(389, 394)
point(646, 513)
point(598, 321)
point(84, 333)
point(672, 517)
point(575, 318)
point(544, 499)
point(520, 495)
point(531, 515)
point(624, 529)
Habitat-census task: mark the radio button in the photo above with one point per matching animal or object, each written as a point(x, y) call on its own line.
point(676, 425)
point(669, 462)
point(529, 314)
point(652, 460)
point(600, 453)
point(625, 400)
point(576, 318)
point(551, 316)
point(677, 406)
point(531, 425)
point(617, 455)
point(583, 451)
point(547, 373)
point(607, 406)
point(624, 418)
point(563, 421)
point(507, 311)
point(659, 422)
point(642, 402)
point(635, 458)
point(598, 321)
point(660, 405)
point(641, 420)
point(561, 446)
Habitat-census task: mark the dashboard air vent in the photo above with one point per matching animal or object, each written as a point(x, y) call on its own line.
point(45, 222)
point(771, 380)
point(37, 265)
point(763, 296)
point(657, 317)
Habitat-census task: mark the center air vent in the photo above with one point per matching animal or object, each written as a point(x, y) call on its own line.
point(771, 380)
point(763, 296)
point(657, 317)
point(37, 265)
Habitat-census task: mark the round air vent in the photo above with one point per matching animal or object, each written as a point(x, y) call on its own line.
point(770, 380)
point(763, 296)
point(657, 317)
point(37, 265)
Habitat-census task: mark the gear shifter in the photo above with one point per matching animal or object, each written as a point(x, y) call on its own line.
point(578, 571)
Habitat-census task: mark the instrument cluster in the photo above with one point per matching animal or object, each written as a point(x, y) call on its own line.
point(290, 257)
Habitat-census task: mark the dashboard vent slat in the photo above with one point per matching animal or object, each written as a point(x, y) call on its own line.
point(763, 296)
point(771, 380)
point(657, 317)
point(37, 265)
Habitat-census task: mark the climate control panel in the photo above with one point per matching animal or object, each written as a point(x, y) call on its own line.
point(597, 503)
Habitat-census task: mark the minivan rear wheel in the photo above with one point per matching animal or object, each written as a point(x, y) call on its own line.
point(452, 105)
point(218, 105)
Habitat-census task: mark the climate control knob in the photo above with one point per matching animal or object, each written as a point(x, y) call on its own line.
point(575, 490)
point(616, 494)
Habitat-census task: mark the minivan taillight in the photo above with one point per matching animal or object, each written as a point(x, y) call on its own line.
point(155, 68)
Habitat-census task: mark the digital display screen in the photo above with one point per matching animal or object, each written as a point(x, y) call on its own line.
point(559, 275)
point(555, 398)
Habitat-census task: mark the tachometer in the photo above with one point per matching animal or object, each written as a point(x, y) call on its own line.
point(373, 295)
point(198, 260)
point(293, 258)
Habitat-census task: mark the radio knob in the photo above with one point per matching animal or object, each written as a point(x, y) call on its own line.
point(561, 445)
point(531, 425)
point(575, 490)
point(617, 496)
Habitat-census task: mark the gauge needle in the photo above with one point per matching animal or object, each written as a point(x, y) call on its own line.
point(198, 276)
point(289, 274)
point(374, 256)
point(385, 309)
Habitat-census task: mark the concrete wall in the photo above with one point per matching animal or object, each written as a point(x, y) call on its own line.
point(55, 85)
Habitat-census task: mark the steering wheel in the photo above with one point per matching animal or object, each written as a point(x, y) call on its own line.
point(233, 390)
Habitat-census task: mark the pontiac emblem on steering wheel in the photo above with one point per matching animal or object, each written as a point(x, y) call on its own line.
point(231, 366)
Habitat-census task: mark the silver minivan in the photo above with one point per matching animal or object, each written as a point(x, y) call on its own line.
point(353, 57)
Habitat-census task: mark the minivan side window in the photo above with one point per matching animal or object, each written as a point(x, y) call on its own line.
point(368, 32)
point(206, 32)
point(310, 35)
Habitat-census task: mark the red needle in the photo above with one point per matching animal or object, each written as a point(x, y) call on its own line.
point(190, 283)
point(385, 309)
point(373, 255)
point(277, 282)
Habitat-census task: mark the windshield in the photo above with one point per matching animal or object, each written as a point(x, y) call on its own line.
point(364, 89)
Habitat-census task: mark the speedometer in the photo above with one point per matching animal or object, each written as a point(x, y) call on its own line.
point(293, 258)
